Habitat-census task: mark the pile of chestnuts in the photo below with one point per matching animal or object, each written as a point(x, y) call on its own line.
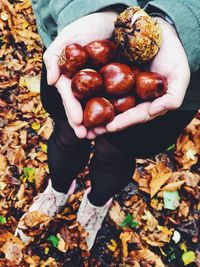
point(105, 85)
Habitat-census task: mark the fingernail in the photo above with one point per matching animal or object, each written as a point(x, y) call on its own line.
point(163, 112)
point(158, 109)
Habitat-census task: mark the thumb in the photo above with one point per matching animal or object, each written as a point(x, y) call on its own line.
point(51, 62)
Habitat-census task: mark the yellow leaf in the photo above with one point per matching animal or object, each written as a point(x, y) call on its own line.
point(112, 247)
point(183, 247)
point(35, 126)
point(125, 237)
point(46, 250)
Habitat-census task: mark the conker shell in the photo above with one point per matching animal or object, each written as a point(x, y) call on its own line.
point(137, 35)
point(98, 112)
point(86, 83)
point(72, 59)
point(118, 79)
point(150, 85)
point(122, 104)
point(101, 52)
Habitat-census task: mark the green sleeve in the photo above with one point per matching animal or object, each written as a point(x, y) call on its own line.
point(186, 16)
point(73, 10)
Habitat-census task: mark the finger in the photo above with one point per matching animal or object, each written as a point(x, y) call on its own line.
point(169, 101)
point(73, 106)
point(80, 130)
point(138, 114)
point(91, 134)
point(100, 130)
point(177, 86)
point(51, 61)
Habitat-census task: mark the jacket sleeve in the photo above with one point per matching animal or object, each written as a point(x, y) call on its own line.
point(72, 10)
point(186, 16)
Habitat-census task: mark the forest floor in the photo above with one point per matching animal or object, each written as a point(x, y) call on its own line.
point(154, 221)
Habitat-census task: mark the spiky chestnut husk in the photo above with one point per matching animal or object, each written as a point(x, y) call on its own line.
point(137, 35)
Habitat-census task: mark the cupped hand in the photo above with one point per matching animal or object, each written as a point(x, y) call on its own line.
point(97, 26)
point(171, 61)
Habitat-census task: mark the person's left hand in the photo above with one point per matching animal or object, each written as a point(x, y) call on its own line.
point(171, 61)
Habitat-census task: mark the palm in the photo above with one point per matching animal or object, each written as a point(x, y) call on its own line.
point(171, 62)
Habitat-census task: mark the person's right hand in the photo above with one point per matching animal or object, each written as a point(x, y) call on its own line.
point(97, 26)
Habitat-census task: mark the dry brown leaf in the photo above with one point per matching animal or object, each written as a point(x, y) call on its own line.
point(184, 209)
point(116, 214)
point(50, 262)
point(40, 177)
point(191, 179)
point(35, 218)
point(125, 237)
point(146, 256)
point(46, 130)
point(12, 252)
point(151, 222)
point(27, 107)
point(21, 192)
point(160, 175)
point(173, 186)
point(4, 237)
point(3, 164)
point(159, 237)
point(186, 152)
point(15, 126)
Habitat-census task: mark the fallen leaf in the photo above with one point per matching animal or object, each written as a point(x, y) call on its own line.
point(171, 200)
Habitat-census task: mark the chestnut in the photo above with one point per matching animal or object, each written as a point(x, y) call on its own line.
point(101, 52)
point(86, 83)
point(150, 85)
point(72, 59)
point(98, 111)
point(118, 79)
point(124, 103)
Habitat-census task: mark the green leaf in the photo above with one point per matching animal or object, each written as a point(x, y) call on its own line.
point(128, 221)
point(171, 200)
point(29, 174)
point(43, 148)
point(2, 219)
point(188, 257)
point(54, 240)
point(172, 147)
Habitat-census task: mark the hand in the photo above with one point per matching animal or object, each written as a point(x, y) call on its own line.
point(171, 62)
point(97, 26)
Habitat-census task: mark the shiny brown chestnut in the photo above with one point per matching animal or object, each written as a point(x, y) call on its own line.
point(118, 79)
point(124, 103)
point(72, 59)
point(150, 85)
point(86, 83)
point(101, 52)
point(98, 112)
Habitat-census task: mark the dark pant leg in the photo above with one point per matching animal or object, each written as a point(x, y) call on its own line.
point(113, 163)
point(150, 138)
point(67, 154)
point(110, 171)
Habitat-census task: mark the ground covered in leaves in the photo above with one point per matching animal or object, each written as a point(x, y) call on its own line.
point(155, 221)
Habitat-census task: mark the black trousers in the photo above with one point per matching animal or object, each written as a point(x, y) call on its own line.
point(113, 163)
